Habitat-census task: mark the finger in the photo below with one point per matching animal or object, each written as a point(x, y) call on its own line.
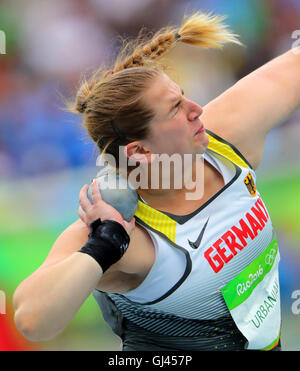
point(95, 192)
point(83, 199)
point(81, 215)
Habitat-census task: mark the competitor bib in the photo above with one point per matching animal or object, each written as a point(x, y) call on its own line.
point(253, 299)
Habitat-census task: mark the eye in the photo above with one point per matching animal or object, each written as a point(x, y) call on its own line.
point(177, 106)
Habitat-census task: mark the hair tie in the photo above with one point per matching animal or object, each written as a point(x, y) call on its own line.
point(84, 104)
point(176, 35)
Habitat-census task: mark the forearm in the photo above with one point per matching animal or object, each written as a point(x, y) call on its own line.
point(47, 301)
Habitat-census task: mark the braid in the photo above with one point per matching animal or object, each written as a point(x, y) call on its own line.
point(159, 45)
point(199, 29)
point(147, 53)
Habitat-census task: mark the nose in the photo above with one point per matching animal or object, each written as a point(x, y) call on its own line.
point(194, 111)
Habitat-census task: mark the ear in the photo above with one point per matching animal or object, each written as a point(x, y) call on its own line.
point(138, 152)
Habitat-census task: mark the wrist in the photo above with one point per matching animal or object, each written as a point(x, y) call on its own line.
point(107, 242)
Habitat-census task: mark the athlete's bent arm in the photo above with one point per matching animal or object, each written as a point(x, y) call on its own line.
point(262, 100)
point(48, 299)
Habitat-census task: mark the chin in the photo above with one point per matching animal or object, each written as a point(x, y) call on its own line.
point(203, 144)
point(205, 141)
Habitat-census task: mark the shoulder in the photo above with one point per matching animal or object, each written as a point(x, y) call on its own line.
point(224, 117)
point(227, 149)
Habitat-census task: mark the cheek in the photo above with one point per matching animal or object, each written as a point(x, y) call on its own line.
point(178, 128)
point(176, 141)
point(172, 138)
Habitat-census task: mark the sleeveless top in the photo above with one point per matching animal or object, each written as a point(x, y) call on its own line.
point(196, 256)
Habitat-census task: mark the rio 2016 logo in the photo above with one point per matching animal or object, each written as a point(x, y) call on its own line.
point(2, 302)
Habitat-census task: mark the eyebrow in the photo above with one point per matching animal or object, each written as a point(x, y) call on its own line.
point(177, 101)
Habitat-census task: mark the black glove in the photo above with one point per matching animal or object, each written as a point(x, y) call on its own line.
point(107, 242)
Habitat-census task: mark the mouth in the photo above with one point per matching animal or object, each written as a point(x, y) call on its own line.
point(200, 130)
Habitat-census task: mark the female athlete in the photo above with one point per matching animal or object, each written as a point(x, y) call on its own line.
point(184, 274)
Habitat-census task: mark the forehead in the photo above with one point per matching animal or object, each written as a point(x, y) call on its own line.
point(162, 93)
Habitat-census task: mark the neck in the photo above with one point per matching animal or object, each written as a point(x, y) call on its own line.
point(179, 186)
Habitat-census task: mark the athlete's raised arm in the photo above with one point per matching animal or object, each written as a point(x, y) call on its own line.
point(262, 100)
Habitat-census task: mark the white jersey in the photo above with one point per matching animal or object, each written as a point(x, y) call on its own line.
point(198, 254)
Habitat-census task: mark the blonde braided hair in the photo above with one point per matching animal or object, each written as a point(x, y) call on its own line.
point(200, 29)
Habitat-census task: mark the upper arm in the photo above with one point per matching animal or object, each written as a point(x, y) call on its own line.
point(245, 113)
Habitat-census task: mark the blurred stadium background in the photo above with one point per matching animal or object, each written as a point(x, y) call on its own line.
point(45, 156)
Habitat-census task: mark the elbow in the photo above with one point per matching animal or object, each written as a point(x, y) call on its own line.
point(30, 328)
point(26, 326)
point(24, 319)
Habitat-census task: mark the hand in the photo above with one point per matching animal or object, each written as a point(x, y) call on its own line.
point(88, 212)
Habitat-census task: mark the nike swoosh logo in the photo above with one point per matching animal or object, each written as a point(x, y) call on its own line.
point(196, 244)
